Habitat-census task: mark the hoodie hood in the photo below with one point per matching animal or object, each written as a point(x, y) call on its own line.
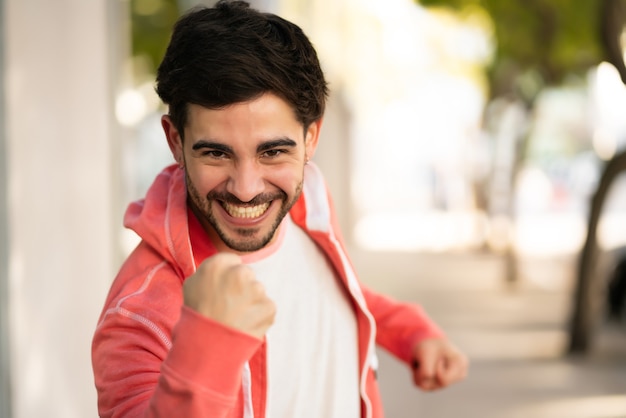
point(160, 219)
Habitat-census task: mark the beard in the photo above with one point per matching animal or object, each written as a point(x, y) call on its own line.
point(243, 239)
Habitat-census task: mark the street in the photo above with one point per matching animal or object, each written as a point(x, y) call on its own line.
point(515, 336)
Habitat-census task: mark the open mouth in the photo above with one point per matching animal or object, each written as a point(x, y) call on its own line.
point(245, 212)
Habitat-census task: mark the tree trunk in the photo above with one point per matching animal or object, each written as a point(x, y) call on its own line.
point(586, 314)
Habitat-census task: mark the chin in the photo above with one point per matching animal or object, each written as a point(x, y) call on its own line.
point(247, 240)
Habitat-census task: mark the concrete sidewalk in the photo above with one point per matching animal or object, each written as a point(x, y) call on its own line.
point(515, 337)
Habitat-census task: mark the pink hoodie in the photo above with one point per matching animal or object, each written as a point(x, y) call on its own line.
point(154, 357)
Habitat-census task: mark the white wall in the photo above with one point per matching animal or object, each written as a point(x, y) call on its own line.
point(60, 180)
point(5, 400)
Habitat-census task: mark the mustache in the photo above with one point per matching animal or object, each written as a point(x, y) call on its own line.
point(257, 200)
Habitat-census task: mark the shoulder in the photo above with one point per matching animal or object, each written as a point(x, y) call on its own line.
point(147, 290)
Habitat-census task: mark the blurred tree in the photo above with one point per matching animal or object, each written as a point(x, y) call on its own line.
point(540, 43)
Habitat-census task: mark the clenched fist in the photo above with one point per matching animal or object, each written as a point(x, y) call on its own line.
point(437, 364)
point(226, 290)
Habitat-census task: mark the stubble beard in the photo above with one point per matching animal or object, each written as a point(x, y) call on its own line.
point(202, 207)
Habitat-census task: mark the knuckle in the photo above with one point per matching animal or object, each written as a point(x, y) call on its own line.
point(257, 288)
point(268, 316)
point(271, 309)
point(241, 272)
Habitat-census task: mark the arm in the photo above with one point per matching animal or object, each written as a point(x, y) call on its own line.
point(406, 331)
point(399, 326)
point(141, 373)
point(138, 375)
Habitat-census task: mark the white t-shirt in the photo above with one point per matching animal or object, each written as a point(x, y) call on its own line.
point(312, 345)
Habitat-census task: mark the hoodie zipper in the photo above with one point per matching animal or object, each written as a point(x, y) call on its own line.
point(246, 380)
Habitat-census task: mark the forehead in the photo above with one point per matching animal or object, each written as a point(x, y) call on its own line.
point(265, 116)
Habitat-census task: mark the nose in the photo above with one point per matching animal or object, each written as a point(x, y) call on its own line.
point(246, 181)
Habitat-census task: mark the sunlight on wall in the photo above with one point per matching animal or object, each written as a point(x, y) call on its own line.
point(421, 231)
point(411, 79)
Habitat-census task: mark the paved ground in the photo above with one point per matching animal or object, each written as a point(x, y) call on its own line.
point(515, 337)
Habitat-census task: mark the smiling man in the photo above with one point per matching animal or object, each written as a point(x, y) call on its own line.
point(244, 168)
point(240, 301)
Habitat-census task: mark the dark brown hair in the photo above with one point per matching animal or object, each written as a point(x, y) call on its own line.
point(232, 53)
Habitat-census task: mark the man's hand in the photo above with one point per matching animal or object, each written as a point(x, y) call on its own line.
point(227, 291)
point(437, 363)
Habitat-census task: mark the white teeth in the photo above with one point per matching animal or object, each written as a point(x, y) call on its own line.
point(246, 211)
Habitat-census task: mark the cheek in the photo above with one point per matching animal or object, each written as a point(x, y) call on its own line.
point(205, 180)
point(287, 178)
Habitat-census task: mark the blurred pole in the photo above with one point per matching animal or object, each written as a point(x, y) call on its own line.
point(5, 375)
point(61, 195)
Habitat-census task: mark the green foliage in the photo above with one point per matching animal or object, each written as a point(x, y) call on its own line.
point(151, 23)
point(548, 41)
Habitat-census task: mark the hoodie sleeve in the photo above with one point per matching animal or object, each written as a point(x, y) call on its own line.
point(399, 326)
point(138, 375)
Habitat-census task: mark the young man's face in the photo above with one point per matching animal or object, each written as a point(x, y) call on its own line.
point(244, 166)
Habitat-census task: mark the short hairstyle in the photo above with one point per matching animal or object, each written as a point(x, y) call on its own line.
point(231, 53)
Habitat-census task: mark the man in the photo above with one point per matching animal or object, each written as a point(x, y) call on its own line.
point(240, 300)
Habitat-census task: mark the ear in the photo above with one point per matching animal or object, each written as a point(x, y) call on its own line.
point(311, 138)
point(174, 139)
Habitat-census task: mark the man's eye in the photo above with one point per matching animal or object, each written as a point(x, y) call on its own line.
point(272, 153)
point(214, 154)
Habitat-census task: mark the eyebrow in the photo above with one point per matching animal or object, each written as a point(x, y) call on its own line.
point(280, 142)
point(213, 145)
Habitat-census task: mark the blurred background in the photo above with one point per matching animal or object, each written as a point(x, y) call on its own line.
point(476, 152)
